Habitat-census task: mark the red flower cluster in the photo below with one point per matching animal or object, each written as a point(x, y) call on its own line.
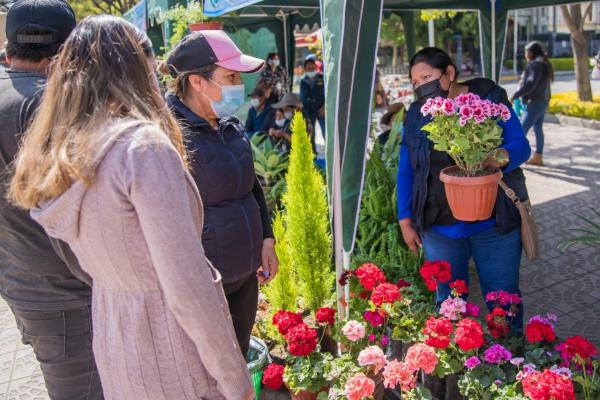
point(548, 385)
point(273, 376)
point(385, 293)
point(497, 323)
point(369, 276)
point(325, 315)
point(433, 272)
point(460, 287)
point(403, 284)
point(438, 331)
point(469, 334)
point(538, 331)
point(285, 320)
point(577, 349)
point(302, 340)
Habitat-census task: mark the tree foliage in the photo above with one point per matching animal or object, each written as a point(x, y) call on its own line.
point(392, 31)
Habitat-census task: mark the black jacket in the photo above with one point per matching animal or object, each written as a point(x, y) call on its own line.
point(236, 217)
point(36, 272)
point(429, 203)
point(536, 81)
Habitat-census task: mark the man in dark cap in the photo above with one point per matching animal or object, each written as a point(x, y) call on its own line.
point(40, 278)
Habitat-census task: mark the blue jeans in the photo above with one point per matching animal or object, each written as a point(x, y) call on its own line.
point(533, 116)
point(497, 257)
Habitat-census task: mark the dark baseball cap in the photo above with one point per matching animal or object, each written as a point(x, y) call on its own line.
point(54, 19)
point(203, 48)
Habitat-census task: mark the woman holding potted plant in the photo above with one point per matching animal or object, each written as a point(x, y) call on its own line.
point(206, 92)
point(424, 214)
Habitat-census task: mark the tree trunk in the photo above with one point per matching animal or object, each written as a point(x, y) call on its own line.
point(575, 20)
point(394, 57)
point(582, 70)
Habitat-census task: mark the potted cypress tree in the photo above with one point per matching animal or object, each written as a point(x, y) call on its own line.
point(467, 129)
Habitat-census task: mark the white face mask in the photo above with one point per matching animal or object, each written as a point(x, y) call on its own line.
point(274, 62)
point(280, 123)
point(311, 74)
point(288, 114)
point(255, 102)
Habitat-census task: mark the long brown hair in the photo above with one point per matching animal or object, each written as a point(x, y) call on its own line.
point(101, 74)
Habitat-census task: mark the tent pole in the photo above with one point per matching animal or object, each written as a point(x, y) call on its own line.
point(431, 26)
point(516, 41)
point(493, 21)
point(338, 235)
point(285, 39)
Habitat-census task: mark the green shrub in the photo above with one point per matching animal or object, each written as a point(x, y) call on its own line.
point(307, 222)
point(569, 104)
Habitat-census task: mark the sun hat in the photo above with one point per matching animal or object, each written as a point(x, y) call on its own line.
point(288, 100)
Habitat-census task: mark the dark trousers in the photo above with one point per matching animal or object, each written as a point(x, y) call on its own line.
point(62, 343)
point(242, 297)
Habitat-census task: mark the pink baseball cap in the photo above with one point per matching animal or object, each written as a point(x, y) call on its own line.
point(203, 48)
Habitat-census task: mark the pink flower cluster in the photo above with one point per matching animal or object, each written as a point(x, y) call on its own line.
point(359, 387)
point(399, 373)
point(354, 331)
point(503, 298)
point(497, 354)
point(453, 307)
point(372, 356)
point(468, 106)
point(421, 356)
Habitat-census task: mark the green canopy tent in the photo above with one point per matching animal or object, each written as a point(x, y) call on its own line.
point(351, 33)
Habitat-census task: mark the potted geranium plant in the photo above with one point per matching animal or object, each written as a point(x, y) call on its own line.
point(467, 129)
point(192, 17)
point(305, 373)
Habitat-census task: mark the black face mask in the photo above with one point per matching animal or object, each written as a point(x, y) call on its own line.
point(430, 90)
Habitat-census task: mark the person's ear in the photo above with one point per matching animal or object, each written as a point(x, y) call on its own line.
point(451, 73)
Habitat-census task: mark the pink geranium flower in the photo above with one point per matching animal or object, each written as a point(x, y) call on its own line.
point(399, 373)
point(359, 387)
point(453, 307)
point(421, 356)
point(354, 331)
point(372, 356)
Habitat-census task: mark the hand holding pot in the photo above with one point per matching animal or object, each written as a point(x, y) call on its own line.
point(496, 160)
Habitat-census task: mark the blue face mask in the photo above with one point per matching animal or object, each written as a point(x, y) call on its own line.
point(232, 98)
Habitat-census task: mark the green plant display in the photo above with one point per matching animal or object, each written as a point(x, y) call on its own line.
point(307, 223)
point(270, 164)
point(378, 236)
point(282, 293)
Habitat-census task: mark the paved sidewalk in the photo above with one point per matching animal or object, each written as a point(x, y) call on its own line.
point(564, 283)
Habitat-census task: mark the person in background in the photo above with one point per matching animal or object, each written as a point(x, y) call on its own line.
point(237, 236)
point(381, 101)
point(3, 60)
point(312, 95)
point(260, 115)
point(104, 168)
point(535, 95)
point(40, 279)
point(276, 75)
point(424, 214)
point(387, 121)
point(281, 132)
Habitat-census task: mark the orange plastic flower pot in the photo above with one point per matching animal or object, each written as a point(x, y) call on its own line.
point(470, 198)
point(206, 26)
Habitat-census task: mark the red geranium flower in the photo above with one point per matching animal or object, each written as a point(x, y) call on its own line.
point(433, 272)
point(577, 349)
point(538, 331)
point(369, 276)
point(469, 335)
point(385, 293)
point(273, 376)
point(285, 320)
point(364, 295)
point(548, 385)
point(497, 323)
point(403, 284)
point(460, 287)
point(302, 340)
point(438, 331)
point(325, 315)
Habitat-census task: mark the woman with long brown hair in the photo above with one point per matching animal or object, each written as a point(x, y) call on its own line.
point(103, 168)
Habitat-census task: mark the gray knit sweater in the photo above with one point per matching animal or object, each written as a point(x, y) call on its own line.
point(162, 329)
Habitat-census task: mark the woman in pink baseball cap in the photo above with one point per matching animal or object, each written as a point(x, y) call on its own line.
point(237, 237)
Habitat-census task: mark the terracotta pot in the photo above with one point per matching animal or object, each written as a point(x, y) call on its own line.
point(470, 198)
point(206, 26)
point(305, 395)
